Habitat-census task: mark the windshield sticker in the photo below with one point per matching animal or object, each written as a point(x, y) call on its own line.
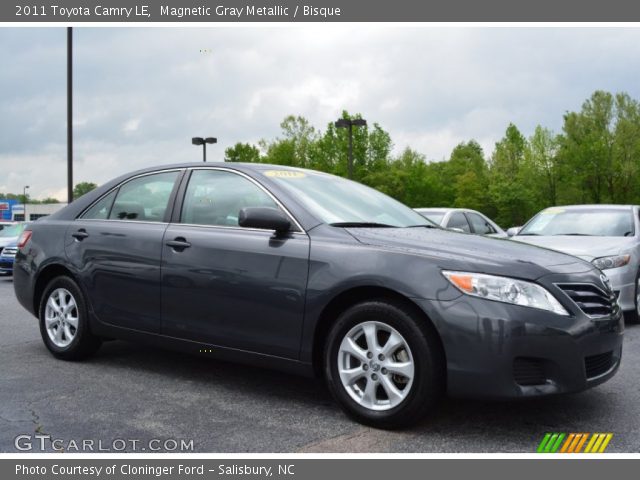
point(284, 174)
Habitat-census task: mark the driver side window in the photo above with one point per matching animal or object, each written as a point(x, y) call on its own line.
point(215, 197)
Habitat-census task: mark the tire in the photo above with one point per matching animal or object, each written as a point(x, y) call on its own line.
point(362, 382)
point(633, 316)
point(64, 310)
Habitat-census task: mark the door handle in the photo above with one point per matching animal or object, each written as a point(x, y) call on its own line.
point(178, 244)
point(80, 234)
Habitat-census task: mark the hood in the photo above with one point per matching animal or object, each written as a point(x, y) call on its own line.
point(5, 241)
point(475, 253)
point(583, 247)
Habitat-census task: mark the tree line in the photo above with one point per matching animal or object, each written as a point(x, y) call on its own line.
point(594, 159)
point(79, 190)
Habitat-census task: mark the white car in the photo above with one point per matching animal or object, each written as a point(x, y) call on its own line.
point(462, 220)
point(9, 234)
point(606, 235)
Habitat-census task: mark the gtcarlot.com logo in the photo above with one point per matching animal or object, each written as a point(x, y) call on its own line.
point(44, 443)
point(574, 442)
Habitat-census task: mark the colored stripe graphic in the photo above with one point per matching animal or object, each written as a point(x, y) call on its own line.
point(605, 443)
point(568, 442)
point(556, 442)
point(581, 443)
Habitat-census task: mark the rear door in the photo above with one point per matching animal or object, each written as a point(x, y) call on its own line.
point(227, 285)
point(116, 245)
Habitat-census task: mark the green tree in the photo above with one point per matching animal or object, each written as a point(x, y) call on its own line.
point(541, 153)
point(242, 152)
point(510, 187)
point(82, 188)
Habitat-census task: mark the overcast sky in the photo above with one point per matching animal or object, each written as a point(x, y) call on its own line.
point(142, 93)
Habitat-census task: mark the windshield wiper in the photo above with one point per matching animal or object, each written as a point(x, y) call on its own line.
point(573, 234)
point(361, 225)
point(425, 225)
point(532, 234)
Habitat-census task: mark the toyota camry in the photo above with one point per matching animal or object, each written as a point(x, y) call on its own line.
point(315, 274)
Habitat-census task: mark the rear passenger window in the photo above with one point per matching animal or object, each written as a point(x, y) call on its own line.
point(100, 210)
point(144, 198)
point(458, 220)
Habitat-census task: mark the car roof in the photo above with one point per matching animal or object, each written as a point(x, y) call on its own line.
point(233, 165)
point(433, 209)
point(445, 210)
point(595, 206)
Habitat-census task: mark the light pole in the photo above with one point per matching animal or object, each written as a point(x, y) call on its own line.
point(69, 115)
point(203, 142)
point(350, 123)
point(24, 201)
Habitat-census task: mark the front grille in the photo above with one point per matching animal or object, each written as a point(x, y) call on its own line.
point(591, 299)
point(596, 365)
point(529, 371)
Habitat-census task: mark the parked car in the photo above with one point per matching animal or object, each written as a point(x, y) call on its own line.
point(606, 235)
point(6, 223)
point(7, 257)
point(10, 234)
point(313, 273)
point(462, 220)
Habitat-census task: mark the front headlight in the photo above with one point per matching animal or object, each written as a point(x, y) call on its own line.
point(614, 261)
point(505, 289)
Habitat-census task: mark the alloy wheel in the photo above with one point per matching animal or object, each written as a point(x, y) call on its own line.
point(61, 317)
point(375, 365)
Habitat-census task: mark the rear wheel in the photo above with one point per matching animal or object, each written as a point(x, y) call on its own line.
point(383, 365)
point(63, 321)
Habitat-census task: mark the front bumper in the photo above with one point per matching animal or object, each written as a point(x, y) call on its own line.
point(497, 350)
point(6, 265)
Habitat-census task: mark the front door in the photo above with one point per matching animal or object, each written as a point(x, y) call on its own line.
point(227, 285)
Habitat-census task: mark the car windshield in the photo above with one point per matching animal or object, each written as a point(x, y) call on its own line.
point(12, 230)
point(435, 217)
point(598, 222)
point(341, 202)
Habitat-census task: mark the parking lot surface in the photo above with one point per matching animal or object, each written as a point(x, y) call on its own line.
point(134, 392)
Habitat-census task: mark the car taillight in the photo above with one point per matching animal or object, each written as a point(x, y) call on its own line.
point(24, 238)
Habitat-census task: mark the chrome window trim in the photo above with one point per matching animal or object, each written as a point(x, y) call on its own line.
point(257, 184)
point(241, 229)
point(79, 216)
point(301, 230)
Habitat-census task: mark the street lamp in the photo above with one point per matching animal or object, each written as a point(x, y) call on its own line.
point(349, 123)
point(24, 201)
point(203, 142)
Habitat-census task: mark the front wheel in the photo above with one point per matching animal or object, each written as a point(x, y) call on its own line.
point(383, 364)
point(64, 325)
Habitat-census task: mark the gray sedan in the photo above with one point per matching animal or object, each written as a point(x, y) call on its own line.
point(462, 220)
point(606, 235)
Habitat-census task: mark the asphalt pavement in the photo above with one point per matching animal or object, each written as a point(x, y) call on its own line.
point(137, 397)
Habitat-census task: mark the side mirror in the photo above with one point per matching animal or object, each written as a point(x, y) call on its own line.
point(513, 231)
point(265, 218)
